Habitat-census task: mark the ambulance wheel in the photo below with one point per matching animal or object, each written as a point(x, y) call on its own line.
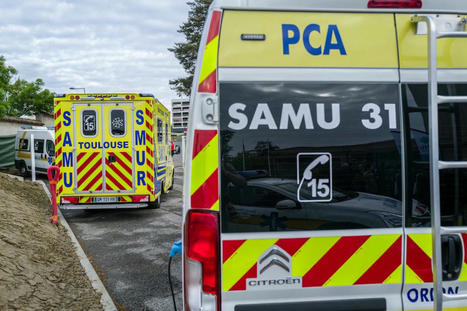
point(23, 170)
point(155, 204)
point(173, 177)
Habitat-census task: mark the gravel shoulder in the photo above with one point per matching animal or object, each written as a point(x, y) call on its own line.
point(39, 269)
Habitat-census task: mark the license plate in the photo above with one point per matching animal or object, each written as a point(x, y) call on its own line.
point(105, 200)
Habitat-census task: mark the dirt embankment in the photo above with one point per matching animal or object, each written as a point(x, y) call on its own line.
point(38, 266)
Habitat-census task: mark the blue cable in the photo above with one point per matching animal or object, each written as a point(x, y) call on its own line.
point(176, 249)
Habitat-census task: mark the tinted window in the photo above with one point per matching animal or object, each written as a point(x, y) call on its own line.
point(23, 144)
point(89, 122)
point(452, 146)
point(305, 156)
point(117, 122)
point(50, 148)
point(38, 145)
point(159, 130)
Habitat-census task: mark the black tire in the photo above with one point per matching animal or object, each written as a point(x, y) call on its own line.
point(156, 204)
point(23, 170)
point(173, 178)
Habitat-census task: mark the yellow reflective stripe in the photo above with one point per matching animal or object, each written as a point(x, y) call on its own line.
point(204, 164)
point(209, 59)
point(215, 207)
point(242, 260)
point(423, 241)
point(395, 277)
point(411, 277)
point(110, 184)
point(463, 275)
point(361, 260)
point(309, 254)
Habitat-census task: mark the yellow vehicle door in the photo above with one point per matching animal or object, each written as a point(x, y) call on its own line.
point(118, 151)
point(89, 153)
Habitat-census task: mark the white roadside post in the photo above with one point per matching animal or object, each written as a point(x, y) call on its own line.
point(183, 150)
point(33, 159)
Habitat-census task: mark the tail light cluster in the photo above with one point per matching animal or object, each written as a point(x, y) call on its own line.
point(395, 4)
point(201, 255)
point(69, 200)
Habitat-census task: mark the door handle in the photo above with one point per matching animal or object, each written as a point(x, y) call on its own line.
point(451, 256)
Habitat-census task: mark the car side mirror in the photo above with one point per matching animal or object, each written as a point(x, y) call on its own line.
point(286, 204)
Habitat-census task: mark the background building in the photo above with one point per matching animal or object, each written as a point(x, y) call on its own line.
point(180, 113)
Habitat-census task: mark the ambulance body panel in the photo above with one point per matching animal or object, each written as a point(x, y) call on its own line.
point(106, 150)
point(312, 165)
point(43, 149)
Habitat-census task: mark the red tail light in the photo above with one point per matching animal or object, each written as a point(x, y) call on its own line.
point(202, 285)
point(140, 198)
point(395, 4)
point(69, 200)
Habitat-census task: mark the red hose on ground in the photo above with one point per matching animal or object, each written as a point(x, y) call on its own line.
point(53, 173)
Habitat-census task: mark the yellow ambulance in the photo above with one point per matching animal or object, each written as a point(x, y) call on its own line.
point(326, 157)
point(112, 150)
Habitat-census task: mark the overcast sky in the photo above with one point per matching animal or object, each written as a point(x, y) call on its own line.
point(102, 45)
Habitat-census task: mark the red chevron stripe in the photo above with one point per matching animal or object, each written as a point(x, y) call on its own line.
point(80, 155)
point(148, 126)
point(59, 152)
point(241, 284)
point(148, 113)
point(418, 261)
point(58, 139)
point(214, 26)
point(58, 126)
point(86, 163)
point(59, 113)
point(96, 179)
point(209, 85)
point(112, 168)
point(339, 253)
point(384, 266)
point(148, 138)
point(89, 172)
point(229, 247)
point(126, 155)
point(202, 138)
point(151, 166)
point(208, 193)
point(149, 188)
point(116, 183)
point(149, 151)
point(291, 246)
point(119, 161)
point(60, 190)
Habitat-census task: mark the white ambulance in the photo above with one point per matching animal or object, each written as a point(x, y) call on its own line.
point(316, 171)
point(44, 149)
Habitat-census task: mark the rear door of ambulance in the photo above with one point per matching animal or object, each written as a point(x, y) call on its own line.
point(104, 152)
point(310, 149)
point(452, 75)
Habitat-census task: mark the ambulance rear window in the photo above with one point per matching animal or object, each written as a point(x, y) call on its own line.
point(89, 122)
point(117, 122)
point(309, 156)
point(159, 130)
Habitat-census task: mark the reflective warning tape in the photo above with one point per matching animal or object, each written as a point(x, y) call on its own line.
point(208, 75)
point(148, 117)
point(89, 171)
point(58, 144)
point(119, 174)
point(319, 261)
point(204, 170)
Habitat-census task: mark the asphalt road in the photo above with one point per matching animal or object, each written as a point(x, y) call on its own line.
point(131, 249)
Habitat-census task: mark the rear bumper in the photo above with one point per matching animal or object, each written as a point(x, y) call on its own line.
point(103, 206)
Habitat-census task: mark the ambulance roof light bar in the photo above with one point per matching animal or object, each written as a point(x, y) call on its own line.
point(395, 4)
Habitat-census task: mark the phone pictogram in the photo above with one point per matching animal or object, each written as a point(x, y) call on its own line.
point(314, 177)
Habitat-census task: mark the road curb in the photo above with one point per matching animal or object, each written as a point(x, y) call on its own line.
point(106, 302)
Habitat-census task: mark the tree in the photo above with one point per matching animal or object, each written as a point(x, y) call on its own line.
point(6, 73)
point(22, 97)
point(29, 98)
point(187, 52)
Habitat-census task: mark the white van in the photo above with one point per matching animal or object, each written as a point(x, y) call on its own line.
point(313, 136)
point(44, 149)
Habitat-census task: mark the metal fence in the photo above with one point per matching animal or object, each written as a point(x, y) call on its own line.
point(7, 151)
